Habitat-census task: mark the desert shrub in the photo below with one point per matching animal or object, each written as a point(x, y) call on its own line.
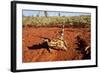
point(71, 21)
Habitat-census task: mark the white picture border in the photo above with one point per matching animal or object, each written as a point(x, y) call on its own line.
point(37, 65)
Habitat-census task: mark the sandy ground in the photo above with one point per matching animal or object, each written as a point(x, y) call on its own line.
point(33, 36)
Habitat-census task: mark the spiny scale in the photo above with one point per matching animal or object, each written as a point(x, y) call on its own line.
point(58, 43)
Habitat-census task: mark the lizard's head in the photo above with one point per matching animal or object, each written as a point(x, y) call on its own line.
point(47, 40)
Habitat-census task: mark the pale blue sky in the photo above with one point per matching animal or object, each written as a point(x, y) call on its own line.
point(52, 13)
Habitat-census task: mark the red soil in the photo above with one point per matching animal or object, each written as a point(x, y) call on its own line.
point(32, 36)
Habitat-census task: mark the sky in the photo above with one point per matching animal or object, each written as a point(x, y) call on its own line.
point(51, 13)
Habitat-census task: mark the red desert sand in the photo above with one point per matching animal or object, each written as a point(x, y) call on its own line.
point(32, 36)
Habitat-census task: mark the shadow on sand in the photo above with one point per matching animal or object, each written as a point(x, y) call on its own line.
point(40, 46)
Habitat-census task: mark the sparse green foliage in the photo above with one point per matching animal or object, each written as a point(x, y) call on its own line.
point(76, 21)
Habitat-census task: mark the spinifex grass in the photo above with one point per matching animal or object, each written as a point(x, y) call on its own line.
point(83, 21)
